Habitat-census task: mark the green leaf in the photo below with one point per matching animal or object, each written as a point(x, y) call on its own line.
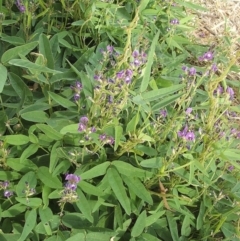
point(148, 237)
point(147, 70)
point(138, 188)
point(48, 179)
point(129, 170)
point(30, 180)
point(13, 211)
point(118, 215)
point(154, 217)
point(23, 63)
point(3, 120)
point(67, 75)
point(155, 162)
point(165, 102)
point(29, 224)
point(200, 218)
point(45, 50)
point(17, 51)
point(30, 202)
point(131, 126)
point(172, 226)
point(35, 116)
point(90, 189)
point(16, 140)
point(172, 43)
point(19, 86)
point(61, 101)
point(9, 237)
point(96, 171)
point(13, 40)
point(45, 195)
point(54, 156)
point(30, 150)
point(156, 94)
point(10, 176)
point(3, 74)
point(192, 6)
point(21, 166)
point(186, 229)
point(75, 220)
point(139, 225)
point(45, 214)
point(50, 132)
point(77, 237)
point(99, 236)
point(143, 4)
point(84, 206)
point(73, 128)
point(118, 136)
point(115, 182)
point(34, 107)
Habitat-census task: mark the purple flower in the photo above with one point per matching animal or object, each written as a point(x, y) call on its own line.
point(84, 120)
point(120, 74)
point(77, 88)
point(185, 68)
point(230, 92)
point(97, 77)
point(81, 127)
point(135, 54)
point(188, 111)
point(78, 85)
point(183, 132)
point(163, 113)
point(20, 6)
point(219, 90)
point(76, 97)
point(186, 134)
point(230, 168)
point(110, 99)
point(8, 193)
point(214, 68)
point(136, 62)
point(106, 139)
point(72, 178)
point(129, 72)
point(190, 136)
point(174, 21)
point(110, 49)
point(206, 56)
point(4, 185)
point(71, 186)
point(128, 79)
point(93, 129)
point(110, 140)
point(192, 71)
point(103, 137)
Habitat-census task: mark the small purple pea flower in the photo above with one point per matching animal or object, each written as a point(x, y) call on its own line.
point(192, 71)
point(163, 113)
point(20, 6)
point(174, 21)
point(230, 92)
point(72, 178)
point(84, 120)
point(188, 111)
point(8, 193)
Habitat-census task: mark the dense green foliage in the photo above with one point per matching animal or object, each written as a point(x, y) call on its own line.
point(115, 93)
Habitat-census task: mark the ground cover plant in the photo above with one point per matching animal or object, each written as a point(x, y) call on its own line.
point(114, 125)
